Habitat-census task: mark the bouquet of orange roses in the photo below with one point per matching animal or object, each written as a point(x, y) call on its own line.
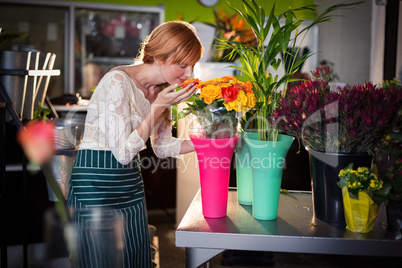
point(219, 106)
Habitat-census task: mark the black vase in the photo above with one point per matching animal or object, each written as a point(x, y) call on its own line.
point(324, 169)
point(394, 215)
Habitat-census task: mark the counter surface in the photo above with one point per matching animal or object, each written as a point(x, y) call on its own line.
point(295, 230)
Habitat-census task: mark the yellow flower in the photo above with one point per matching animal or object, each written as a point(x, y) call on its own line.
point(239, 104)
point(354, 184)
point(210, 93)
point(251, 100)
point(387, 139)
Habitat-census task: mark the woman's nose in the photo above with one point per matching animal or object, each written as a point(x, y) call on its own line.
point(189, 71)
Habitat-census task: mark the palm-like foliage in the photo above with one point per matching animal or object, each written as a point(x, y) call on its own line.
point(256, 60)
point(6, 37)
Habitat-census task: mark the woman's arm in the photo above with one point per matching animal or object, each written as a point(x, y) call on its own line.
point(163, 143)
point(186, 147)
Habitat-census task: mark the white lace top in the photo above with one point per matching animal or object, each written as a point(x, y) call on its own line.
point(116, 109)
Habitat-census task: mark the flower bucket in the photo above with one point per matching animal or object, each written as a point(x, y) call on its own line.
point(214, 160)
point(394, 215)
point(360, 213)
point(267, 162)
point(327, 196)
point(243, 170)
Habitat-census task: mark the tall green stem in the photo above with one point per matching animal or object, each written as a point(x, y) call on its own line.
point(61, 206)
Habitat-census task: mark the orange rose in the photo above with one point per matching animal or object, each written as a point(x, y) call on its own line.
point(249, 87)
point(195, 81)
point(228, 78)
point(210, 93)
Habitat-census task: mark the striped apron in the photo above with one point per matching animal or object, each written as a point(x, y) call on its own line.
point(98, 180)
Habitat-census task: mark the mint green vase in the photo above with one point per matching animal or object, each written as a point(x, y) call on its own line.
point(243, 170)
point(267, 160)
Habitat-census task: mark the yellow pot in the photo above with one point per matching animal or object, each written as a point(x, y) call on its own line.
point(360, 214)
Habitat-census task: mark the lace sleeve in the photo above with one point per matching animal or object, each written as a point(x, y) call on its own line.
point(118, 118)
point(163, 144)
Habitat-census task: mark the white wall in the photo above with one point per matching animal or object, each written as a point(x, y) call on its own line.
point(187, 177)
point(346, 41)
point(377, 43)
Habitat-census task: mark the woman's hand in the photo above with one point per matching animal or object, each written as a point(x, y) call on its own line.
point(172, 97)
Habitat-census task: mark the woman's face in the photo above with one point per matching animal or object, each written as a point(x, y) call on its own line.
point(176, 73)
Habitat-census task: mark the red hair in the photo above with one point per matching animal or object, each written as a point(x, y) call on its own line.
point(175, 39)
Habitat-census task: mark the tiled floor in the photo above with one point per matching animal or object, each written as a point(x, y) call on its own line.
point(171, 256)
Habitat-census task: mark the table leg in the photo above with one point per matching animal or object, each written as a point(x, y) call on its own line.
point(3, 229)
point(198, 256)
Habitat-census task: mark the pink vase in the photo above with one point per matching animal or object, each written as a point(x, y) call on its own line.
point(214, 161)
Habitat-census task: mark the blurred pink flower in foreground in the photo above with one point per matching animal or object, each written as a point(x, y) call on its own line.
point(37, 140)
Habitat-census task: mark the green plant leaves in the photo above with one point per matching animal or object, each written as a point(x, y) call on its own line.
point(267, 53)
point(42, 113)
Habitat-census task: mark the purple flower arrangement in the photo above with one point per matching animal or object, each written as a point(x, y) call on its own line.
point(353, 119)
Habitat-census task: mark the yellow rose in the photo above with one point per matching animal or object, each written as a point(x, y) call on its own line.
point(241, 101)
point(239, 104)
point(230, 105)
point(210, 93)
point(251, 100)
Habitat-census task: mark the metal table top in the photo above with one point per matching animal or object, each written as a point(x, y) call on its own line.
point(295, 230)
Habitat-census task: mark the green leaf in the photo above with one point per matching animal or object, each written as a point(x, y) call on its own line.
point(4, 38)
point(384, 192)
point(268, 24)
point(181, 115)
point(349, 166)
